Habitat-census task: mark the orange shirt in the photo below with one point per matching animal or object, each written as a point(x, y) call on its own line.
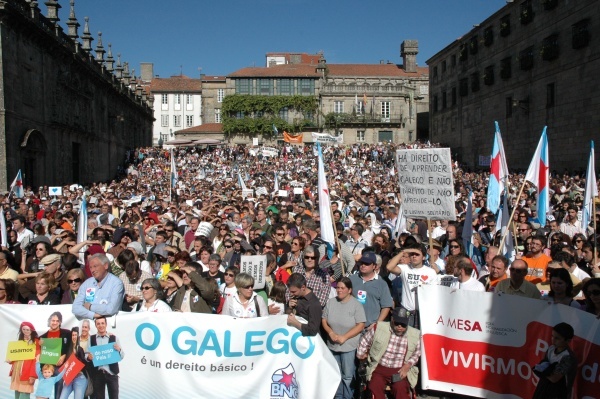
point(537, 268)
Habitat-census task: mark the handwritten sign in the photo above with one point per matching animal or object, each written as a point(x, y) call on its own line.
point(104, 354)
point(72, 367)
point(256, 266)
point(426, 183)
point(20, 350)
point(55, 191)
point(51, 349)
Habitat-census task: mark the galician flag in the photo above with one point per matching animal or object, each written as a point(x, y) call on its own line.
point(4, 232)
point(504, 218)
point(174, 176)
point(276, 184)
point(498, 173)
point(275, 131)
point(591, 190)
point(82, 228)
point(17, 185)
point(241, 181)
point(538, 175)
point(327, 233)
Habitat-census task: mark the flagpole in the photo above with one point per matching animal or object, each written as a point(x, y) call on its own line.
point(337, 242)
point(595, 232)
point(512, 215)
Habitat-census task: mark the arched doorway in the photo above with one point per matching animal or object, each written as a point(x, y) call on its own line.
point(33, 155)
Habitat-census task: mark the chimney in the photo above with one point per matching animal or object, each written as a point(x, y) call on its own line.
point(147, 71)
point(408, 51)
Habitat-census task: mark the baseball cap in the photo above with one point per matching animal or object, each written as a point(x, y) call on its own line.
point(400, 316)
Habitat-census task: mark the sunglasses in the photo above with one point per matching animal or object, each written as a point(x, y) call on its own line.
point(280, 234)
point(403, 325)
point(416, 254)
point(77, 280)
point(268, 247)
point(228, 246)
point(230, 274)
point(310, 257)
point(169, 231)
point(454, 246)
point(146, 288)
point(248, 287)
point(522, 229)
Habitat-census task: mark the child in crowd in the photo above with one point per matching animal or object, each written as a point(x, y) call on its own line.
point(46, 382)
point(277, 296)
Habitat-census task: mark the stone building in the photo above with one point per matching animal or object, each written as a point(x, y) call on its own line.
point(67, 114)
point(530, 64)
point(213, 93)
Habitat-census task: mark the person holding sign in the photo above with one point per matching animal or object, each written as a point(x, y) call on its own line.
point(245, 303)
point(105, 376)
point(60, 351)
point(22, 373)
point(79, 384)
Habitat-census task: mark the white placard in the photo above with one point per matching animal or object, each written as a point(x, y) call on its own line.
point(247, 193)
point(55, 191)
point(325, 138)
point(426, 183)
point(261, 191)
point(255, 141)
point(298, 190)
point(256, 266)
point(204, 229)
point(282, 193)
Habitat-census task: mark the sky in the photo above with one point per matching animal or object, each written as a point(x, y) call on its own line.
point(218, 37)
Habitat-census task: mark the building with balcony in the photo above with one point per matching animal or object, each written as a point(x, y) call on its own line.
point(531, 64)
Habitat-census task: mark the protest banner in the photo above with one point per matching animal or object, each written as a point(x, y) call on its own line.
point(51, 349)
point(484, 345)
point(19, 350)
point(72, 367)
point(104, 354)
point(324, 138)
point(426, 183)
point(255, 265)
point(207, 355)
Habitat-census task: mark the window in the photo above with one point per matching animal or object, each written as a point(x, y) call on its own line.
point(338, 107)
point(505, 26)
point(283, 113)
point(285, 87)
point(239, 115)
point(165, 99)
point(549, 4)
point(463, 53)
point(265, 87)
point(435, 103)
point(473, 45)
point(453, 60)
point(306, 87)
point(488, 36)
point(164, 120)
point(505, 68)
point(435, 69)
point(453, 100)
point(217, 115)
point(444, 66)
point(475, 82)
point(509, 106)
point(177, 120)
point(550, 48)
point(463, 87)
point(243, 86)
point(220, 95)
point(550, 95)
point(360, 107)
point(526, 59)
point(189, 99)
point(488, 75)
point(581, 34)
point(444, 100)
point(360, 135)
point(177, 99)
point(385, 111)
point(189, 120)
point(526, 12)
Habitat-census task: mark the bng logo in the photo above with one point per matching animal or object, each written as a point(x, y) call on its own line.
point(284, 383)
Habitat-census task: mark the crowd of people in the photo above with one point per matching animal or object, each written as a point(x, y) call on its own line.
point(154, 247)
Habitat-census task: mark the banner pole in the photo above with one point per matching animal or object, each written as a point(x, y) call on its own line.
point(595, 232)
point(337, 242)
point(512, 214)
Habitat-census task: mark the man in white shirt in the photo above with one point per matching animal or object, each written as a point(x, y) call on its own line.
point(24, 235)
point(464, 272)
point(572, 225)
point(413, 275)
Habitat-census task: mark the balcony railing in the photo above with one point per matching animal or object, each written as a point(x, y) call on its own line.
point(367, 118)
point(361, 90)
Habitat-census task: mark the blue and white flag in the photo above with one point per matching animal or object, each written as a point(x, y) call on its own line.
point(591, 191)
point(4, 238)
point(17, 185)
point(467, 232)
point(174, 176)
point(498, 173)
point(275, 131)
point(276, 184)
point(82, 228)
point(326, 222)
point(241, 182)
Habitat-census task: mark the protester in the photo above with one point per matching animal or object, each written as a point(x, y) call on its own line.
point(561, 288)
point(591, 290)
point(304, 307)
point(194, 293)
point(516, 284)
point(8, 292)
point(152, 294)
point(245, 303)
point(75, 278)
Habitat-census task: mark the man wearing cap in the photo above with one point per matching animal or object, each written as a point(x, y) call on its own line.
point(371, 290)
point(413, 275)
point(516, 284)
point(100, 295)
point(52, 265)
point(121, 238)
point(392, 351)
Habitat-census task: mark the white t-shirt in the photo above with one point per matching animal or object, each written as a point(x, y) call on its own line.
point(411, 279)
point(472, 285)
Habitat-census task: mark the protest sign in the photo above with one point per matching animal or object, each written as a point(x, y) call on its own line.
point(55, 191)
point(298, 190)
point(20, 350)
point(247, 193)
point(51, 349)
point(203, 353)
point(282, 193)
point(104, 354)
point(255, 265)
point(426, 183)
point(72, 367)
point(483, 345)
point(204, 229)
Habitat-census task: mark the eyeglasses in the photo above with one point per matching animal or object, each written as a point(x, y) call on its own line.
point(454, 246)
point(522, 229)
point(593, 292)
point(295, 243)
point(267, 247)
point(229, 274)
point(279, 234)
point(169, 231)
point(228, 246)
point(77, 280)
point(248, 287)
point(146, 288)
point(310, 257)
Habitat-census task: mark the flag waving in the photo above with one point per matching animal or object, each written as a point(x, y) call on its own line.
point(276, 184)
point(591, 191)
point(467, 233)
point(82, 228)
point(173, 171)
point(538, 175)
point(17, 185)
point(241, 181)
point(498, 173)
point(327, 233)
point(4, 232)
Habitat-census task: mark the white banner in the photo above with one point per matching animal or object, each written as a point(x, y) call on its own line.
point(324, 138)
point(483, 345)
point(249, 192)
point(426, 183)
point(256, 266)
point(198, 356)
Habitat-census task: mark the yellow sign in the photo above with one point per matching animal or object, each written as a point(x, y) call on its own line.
point(20, 350)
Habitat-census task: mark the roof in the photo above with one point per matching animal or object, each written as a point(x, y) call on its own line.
point(209, 79)
point(179, 83)
point(206, 128)
point(310, 71)
point(305, 58)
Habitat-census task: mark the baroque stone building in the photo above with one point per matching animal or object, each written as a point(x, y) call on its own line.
point(530, 64)
point(67, 113)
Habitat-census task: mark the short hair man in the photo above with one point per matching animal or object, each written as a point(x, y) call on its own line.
point(572, 225)
point(516, 284)
point(537, 261)
point(464, 273)
point(498, 268)
point(106, 376)
point(304, 303)
point(100, 295)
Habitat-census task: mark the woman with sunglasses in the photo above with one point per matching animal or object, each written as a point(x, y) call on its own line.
point(220, 238)
point(151, 298)
point(294, 257)
point(591, 290)
point(171, 286)
point(577, 242)
point(245, 303)
point(228, 288)
point(74, 279)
